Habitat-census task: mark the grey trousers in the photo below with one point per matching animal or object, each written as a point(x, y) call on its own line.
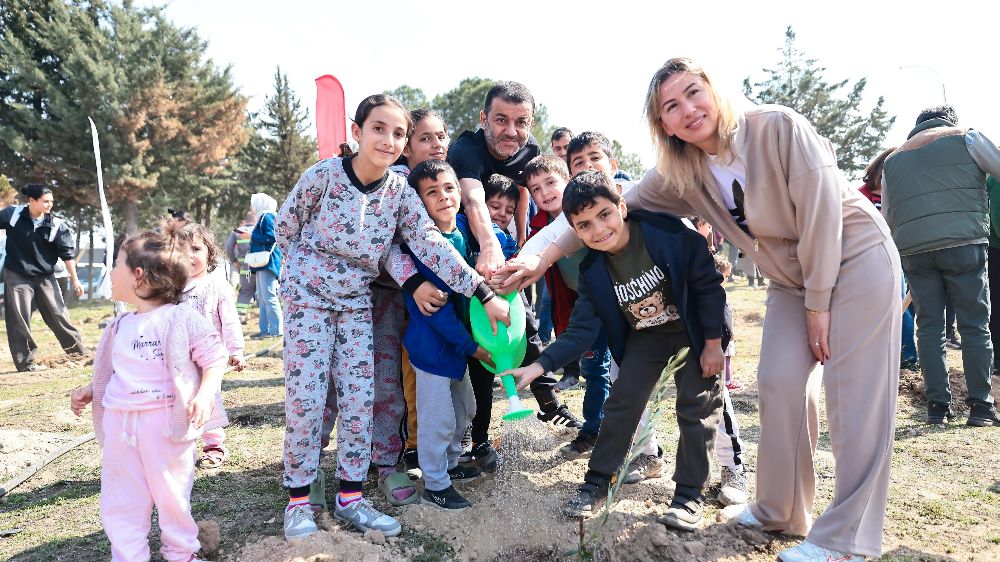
point(23, 293)
point(445, 407)
point(955, 275)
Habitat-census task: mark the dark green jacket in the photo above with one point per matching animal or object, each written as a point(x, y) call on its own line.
point(934, 194)
point(993, 188)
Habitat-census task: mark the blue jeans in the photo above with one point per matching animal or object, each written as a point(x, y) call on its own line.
point(595, 366)
point(544, 313)
point(270, 306)
point(909, 348)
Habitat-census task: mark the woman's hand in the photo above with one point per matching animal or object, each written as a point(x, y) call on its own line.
point(525, 375)
point(80, 397)
point(429, 298)
point(521, 271)
point(712, 359)
point(818, 329)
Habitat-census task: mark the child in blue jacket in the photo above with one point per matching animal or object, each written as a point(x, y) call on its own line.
point(439, 346)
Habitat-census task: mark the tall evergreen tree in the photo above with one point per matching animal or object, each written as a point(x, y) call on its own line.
point(798, 82)
point(288, 150)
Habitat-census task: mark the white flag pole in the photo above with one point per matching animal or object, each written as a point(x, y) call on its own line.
point(109, 234)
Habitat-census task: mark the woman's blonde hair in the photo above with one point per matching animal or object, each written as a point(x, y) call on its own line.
point(680, 163)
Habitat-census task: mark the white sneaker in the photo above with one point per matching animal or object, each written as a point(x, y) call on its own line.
point(734, 489)
point(363, 516)
point(809, 552)
point(742, 515)
point(299, 521)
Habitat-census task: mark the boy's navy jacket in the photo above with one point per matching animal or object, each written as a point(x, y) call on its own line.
point(440, 344)
point(696, 285)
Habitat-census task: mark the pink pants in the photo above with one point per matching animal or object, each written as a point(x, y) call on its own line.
point(143, 468)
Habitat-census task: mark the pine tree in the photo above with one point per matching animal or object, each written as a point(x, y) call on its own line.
point(288, 151)
point(798, 83)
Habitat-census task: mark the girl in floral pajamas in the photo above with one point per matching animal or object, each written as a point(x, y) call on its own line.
point(336, 227)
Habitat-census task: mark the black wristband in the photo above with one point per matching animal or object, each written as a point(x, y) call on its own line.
point(483, 293)
point(415, 281)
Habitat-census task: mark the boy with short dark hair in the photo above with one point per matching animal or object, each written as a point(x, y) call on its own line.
point(502, 195)
point(651, 283)
point(439, 346)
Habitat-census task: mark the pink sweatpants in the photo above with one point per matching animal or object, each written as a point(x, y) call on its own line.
point(141, 468)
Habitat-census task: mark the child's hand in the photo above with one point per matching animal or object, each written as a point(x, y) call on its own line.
point(200, 408)
point(484, 356)
point(237, 362)
point(429, 298)
point(80, 397)
point(712, 359)
point(497, 310)
point(525, 375)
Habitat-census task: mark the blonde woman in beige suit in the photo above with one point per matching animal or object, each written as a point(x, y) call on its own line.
point(770, 183)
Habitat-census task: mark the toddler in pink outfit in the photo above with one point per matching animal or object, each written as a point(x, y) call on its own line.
point(157, 373)
point(213, 297)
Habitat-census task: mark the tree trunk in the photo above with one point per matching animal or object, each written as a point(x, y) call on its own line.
point(208, 213)
point(131, 217)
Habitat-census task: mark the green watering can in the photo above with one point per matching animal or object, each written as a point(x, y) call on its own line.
point(507, 348)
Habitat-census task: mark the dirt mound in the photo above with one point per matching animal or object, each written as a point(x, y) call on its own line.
point(333, 545)
point(66, 360)
point(19, 449)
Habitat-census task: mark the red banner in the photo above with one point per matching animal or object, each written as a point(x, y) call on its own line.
point(331, 116)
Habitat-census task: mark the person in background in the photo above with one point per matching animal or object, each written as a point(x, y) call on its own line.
point(36, 240)
point(560, 141)
point(935, 201)
point(237, 245)
point(262, 240)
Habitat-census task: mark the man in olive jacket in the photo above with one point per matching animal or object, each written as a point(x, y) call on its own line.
point(935, 202)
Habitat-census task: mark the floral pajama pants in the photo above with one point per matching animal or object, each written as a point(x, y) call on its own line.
point(324, 348)
point(389, 430)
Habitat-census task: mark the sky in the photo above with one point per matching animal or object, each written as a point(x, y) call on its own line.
point(590, 62)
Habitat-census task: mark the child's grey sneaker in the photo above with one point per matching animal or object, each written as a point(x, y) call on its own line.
point(734, 489)
point(299, 521)
point(449, 498)
point(589, 497)
point(644, 467)
point(684, 514)
point(567, 383)
point(363, 516)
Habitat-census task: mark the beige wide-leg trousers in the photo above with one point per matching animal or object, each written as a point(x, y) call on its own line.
point(861, 384)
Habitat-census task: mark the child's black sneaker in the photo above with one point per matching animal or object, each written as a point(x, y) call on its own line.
point(579, 447)
point(449, 498)
point(589, 497)
point(982, 414)
point(684, 513)
point(561, 416)
point(486, 456)
point(464, 473)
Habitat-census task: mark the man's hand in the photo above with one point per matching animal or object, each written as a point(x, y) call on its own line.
point(497, 310)
point(80, 397)
point(77, 287)
point(485, 356)
point(429, 298)
point(712, 359)
point(525, 375)
point(490, 257)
